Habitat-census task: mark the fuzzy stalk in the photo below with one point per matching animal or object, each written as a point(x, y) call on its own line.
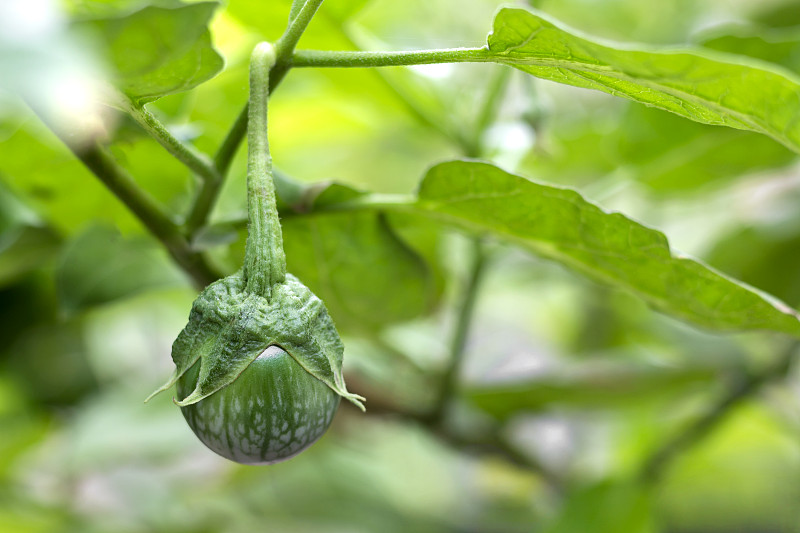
point(264, 260)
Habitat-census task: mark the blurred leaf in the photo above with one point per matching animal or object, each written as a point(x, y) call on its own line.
point(745, 476)
point(56, 185)
point(156, 171)
point(366, 275)
point(561, 225)
point(13, 212)
point(764, 256)
point(781, 47)
point(99, 267)
point(25, 249)
point(670, 154)
point(663, 151)
point(66, 195)
point(43, 64)
point(630, 20)
point(780, 15)
point(44, 353)
point(425, 238)
point(610, 507)
point(27, 303)
point(51, 359)
point(26, 517)
point(158, 51)
point(271, 18)
point(590, 386)
point(696, 86)
point(25, 245)
point(113, 8)
point(344, 9)
point(215, 235)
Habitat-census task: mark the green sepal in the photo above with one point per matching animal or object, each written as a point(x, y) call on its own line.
point(229, 328)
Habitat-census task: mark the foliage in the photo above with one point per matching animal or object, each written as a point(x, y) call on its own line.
point(533, 358)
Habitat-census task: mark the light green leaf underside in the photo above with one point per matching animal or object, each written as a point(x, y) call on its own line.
point(699, 86)
point(561, 225)
point(158, 51)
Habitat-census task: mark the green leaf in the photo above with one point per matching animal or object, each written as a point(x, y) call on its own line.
point(24, 249)
point(696, 85)
point(270, 18)
point(590, 386)
point(781, 47)
point(158, 51)
point(52, 359)
point(366, 275)
point(661, 150)
point(100, 267)
point(765, 256)
point(25, 243)
point(744, 472)
point(783, 14)
point(673, 155)
point(560, 224)
point(65, 195)
point(609, 507)
point(57, 186)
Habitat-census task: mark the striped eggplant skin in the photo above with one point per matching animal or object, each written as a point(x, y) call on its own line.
point(274, 410)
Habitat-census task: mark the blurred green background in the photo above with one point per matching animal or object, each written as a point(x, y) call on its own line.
point(585, 437)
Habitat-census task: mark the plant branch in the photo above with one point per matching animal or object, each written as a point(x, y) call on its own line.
point(285, 46)
point(743, 389)
point(206, 197)
point(488, 441)
point(360, 59)
point(209, 189)
point(227, 150)
point(297, 5)
point(419, 113)
point(210, 172)
point(141, 204)
point(416, 111)
point(463, 321)
point(489, 109)
point(196, 161)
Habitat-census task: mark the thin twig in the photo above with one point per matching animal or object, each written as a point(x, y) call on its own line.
point(489, 109)
point(227, 150)
point(411, 106)
point(142, 205)
point(488, 441)
point(367, 59)
point(297, 5)
point(284, 48)
point(209, 189)
point(196, 161)
point(235, 136)
point(744, 389)
point(459, 340)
